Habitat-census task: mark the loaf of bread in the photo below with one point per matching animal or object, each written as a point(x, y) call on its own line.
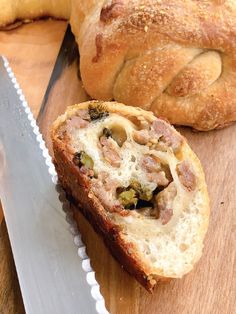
point(176, 58)
point(137, 181)
point(13, 11)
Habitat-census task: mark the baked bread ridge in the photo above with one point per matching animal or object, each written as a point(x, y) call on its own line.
point(145, 55)
point(123, 248)
point(14, 11)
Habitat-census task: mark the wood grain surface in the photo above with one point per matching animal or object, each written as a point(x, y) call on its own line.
point(32, 50)
point(211, 286)
point(1, 213)
point(10, 295)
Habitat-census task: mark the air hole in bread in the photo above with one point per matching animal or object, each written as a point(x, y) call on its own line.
point(147, 250)
point(139, 121)
point(118, 133)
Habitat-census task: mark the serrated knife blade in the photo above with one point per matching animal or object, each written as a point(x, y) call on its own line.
point(53, 278)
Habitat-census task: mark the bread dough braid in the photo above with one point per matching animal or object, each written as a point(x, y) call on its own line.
point(176, 58)
point(13, 10)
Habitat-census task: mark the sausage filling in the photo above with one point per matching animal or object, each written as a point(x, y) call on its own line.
point(131, 163)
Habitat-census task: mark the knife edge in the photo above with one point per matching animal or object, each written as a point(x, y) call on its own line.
point(86, 266)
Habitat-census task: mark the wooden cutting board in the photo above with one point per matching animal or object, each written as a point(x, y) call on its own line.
point(211, 286)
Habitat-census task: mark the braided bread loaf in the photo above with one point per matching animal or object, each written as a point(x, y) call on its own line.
point(176, 58)
point(14, 10)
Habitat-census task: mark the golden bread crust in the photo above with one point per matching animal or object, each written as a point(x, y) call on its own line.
point(14, 10)
point(176, 58)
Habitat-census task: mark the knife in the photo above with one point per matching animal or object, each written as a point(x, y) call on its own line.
point(52, 277)
point(68, 54)
point(65, 87)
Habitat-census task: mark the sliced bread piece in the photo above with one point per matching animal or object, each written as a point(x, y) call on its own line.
point(139, 184)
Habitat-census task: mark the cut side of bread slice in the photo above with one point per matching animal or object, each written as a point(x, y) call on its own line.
point(137, 181)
